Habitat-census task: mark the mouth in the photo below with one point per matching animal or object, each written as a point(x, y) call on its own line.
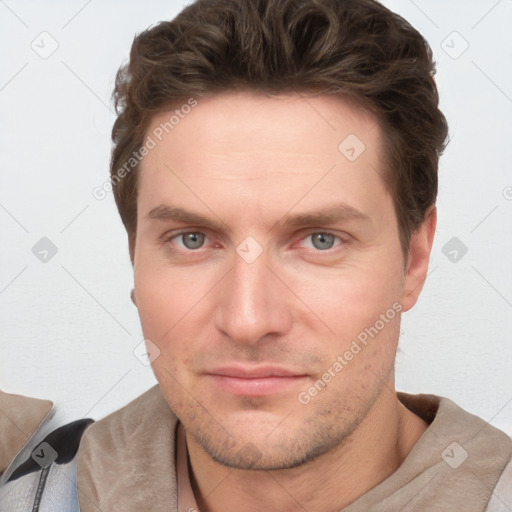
point(254, 381)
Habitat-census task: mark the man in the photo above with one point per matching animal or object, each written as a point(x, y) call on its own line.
point(275, 167)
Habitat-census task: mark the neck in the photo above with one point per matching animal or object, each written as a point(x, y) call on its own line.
point(329, 483)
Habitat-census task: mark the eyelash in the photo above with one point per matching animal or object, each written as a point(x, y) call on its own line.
point(169, 237)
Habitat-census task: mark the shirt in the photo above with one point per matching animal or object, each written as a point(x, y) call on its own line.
point(434, 458)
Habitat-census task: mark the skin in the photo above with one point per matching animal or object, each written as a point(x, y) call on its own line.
point(249, 162)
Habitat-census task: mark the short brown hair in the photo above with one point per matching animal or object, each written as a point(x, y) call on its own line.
point(357, 48)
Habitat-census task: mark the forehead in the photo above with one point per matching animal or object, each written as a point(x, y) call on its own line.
point(264, 149)
point(250, 121)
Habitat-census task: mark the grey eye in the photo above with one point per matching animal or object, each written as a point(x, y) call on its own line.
point(322, 240)
point(192, 240)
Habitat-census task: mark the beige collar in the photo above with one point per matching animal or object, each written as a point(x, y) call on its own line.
point(127, 461)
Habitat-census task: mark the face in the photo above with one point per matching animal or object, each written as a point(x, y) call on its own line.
point(269, 274)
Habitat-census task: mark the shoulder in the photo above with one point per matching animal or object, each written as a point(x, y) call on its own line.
point(45, 477)
point(501, 498)
point(118, 452)
point(472, 457)
point(22, 419)
point(147, 409)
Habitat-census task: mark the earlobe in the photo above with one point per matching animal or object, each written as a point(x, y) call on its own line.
point(420, 248)
point(132, 296)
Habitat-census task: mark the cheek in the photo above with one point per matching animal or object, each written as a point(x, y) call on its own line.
point(351, 298)
point(163, 316)
point(166, 301)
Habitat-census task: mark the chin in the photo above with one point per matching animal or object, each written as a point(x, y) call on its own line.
point(250, 444)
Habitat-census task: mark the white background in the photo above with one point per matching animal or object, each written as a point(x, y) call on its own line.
point(68, 327)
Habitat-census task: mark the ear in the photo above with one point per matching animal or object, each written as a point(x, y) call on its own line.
point(416, 267)
point(132, 296)
point(131, 247)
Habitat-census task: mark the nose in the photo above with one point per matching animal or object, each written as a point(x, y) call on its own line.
point(252, 303)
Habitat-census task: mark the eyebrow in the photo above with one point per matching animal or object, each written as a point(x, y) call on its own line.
point(327, 215)
point(169, 213)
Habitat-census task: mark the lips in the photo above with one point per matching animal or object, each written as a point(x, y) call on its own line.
point(253, 372)
point(254, 381)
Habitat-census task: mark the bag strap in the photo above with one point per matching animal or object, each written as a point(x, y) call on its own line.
point(46, 480)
